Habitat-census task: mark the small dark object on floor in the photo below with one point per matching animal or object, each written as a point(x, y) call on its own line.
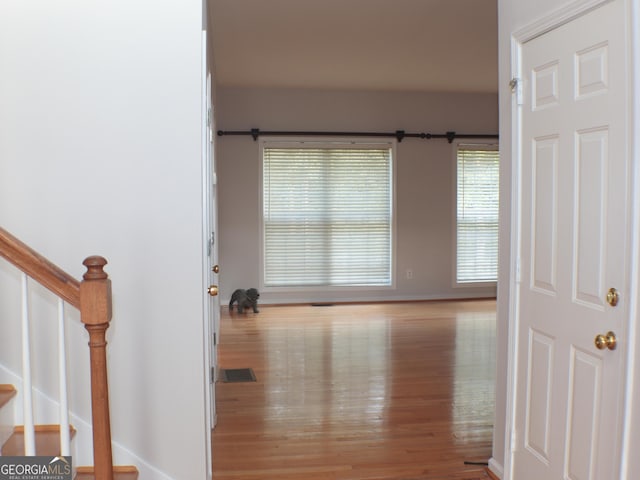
point(245, 299)
point(238, 375)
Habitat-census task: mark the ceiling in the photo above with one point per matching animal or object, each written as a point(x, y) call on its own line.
point(397, 45)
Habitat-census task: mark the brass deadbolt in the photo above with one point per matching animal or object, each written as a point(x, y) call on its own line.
point(613, 297)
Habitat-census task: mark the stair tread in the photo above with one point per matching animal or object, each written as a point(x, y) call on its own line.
point(47, 441)
point(7, 392)
point(119, 473)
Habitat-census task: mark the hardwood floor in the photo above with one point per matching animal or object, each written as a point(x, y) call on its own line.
point(378, 391)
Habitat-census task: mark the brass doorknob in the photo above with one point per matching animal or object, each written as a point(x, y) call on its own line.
point(613, 297)
point(212, 290)
point(606, 341)
point(216, 269)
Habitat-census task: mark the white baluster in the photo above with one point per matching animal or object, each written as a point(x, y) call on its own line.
point(29, 429)
point(65, 440)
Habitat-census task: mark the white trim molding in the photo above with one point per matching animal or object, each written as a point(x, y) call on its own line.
point(496, 468)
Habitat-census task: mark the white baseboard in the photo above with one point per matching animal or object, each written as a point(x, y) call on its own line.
point(496, 468)
point(305, 299)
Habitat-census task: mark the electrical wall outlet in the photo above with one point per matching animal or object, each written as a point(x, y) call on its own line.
point(409, 274)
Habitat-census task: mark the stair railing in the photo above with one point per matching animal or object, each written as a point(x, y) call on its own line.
point(92, 296)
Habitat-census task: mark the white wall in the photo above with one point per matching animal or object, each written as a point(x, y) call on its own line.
point(100, 154)
point(424, 179)
point(513, 16)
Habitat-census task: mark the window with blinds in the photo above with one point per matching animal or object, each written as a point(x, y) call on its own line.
point(477, 214)
point(327, 215)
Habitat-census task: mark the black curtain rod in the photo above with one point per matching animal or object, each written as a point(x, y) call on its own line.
point(398, 134)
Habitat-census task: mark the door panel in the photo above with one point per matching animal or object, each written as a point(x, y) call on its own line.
point(545, 207)
point(574, 247)
point(538, 419)
point(591, 205)
point(583, 413)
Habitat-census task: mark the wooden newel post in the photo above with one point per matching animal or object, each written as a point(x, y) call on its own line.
point(95, 312)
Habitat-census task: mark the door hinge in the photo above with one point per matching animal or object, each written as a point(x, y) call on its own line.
point(516, 88)
point(215, 339)
point(213, 374)
point(209, 116)
point(210, 244)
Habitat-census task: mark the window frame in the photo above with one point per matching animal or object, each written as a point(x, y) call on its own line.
point(338, 142)
point(456, 147)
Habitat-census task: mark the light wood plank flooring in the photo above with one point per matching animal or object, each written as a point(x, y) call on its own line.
point(377, 391)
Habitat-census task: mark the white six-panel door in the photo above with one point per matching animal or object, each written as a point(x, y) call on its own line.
point(574, 247)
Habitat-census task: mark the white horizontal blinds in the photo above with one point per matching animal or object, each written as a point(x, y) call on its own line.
point(477, 214)
point(327, 216)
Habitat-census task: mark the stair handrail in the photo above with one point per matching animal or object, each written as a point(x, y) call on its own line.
point(92, 296)
point(39, 268)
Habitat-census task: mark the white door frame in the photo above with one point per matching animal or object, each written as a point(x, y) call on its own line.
point(206, 245)
point(537, 28)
